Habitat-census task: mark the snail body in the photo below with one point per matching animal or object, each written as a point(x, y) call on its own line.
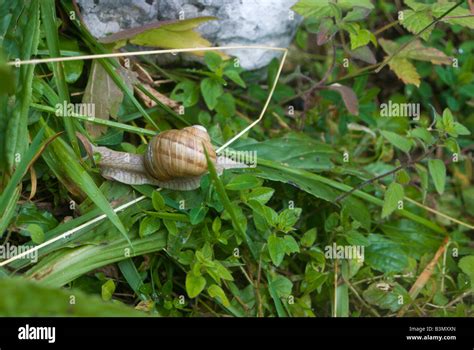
point(174, 159)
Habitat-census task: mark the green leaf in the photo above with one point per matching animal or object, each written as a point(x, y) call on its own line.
point(282, 286)
point(459, 15)
point(466, 264)
point(309, 237)
point(438, 174)
point(226, 105)
point(415, 21)
point(108, 289)
point(133, 278)
point(36, 233)
point(397, 140)
point(72, 69)
point(149, 225)
point(198, 214)
point(391, 299)
point(243, 182)
point(461, 129)
point(321, 8)
point(186, 92)
point(213, 61)
point(260, 194)
point(291, 245)
point(358, 211)
point(211, 90)
point(393, 195)
point(176, 35)
point(384, 255)
point(357, 14)
point(194, 284)
point(275, 296)
point(158, 201)
point(361, 38)
point(235, 77)
point(276, 248)
point(405, 70)
point(423, 134)
point(216, 292)
point(288, 218)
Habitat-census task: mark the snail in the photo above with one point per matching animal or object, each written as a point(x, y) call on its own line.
point(174, 159)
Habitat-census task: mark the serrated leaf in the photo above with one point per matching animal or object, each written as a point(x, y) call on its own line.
point(417, 51)
point(405, 70)
point(393, 195)
point(438, 174)
point(415, 21)
point(459, 15)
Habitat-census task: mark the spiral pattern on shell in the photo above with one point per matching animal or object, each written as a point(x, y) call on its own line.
point(179, 153)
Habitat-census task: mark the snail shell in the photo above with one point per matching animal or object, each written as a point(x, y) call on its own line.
point(179, 153)
point(174, 159)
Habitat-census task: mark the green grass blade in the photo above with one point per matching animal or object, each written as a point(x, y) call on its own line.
point(65, 265)
point(27, 28)
point(110, 123)
point(48, 12)
point(130, 272)
point(276, 300)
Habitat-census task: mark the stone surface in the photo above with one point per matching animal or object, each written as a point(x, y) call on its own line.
point(240, 22)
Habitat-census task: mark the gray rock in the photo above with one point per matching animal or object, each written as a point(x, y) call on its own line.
point(240, 22)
